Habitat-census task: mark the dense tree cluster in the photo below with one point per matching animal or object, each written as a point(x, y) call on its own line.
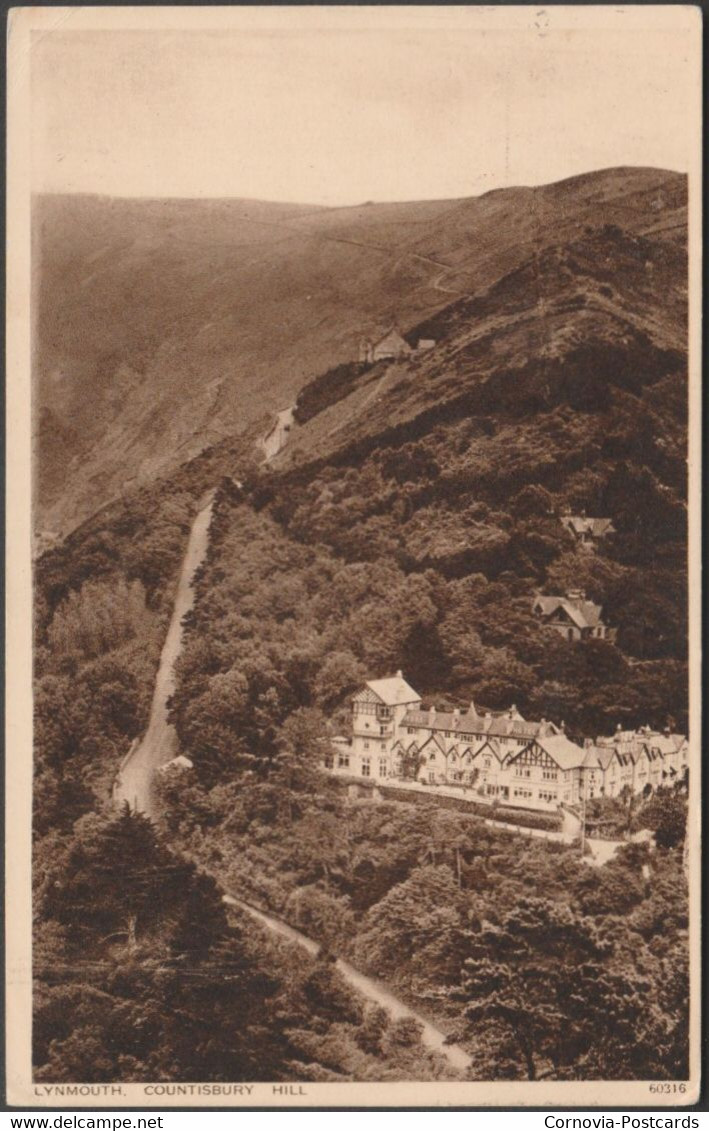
point(542, 965)
point(141, 975)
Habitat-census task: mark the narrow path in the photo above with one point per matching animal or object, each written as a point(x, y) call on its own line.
point(159, 744)
point(368, 987)
point(305, 233)
point(446, 270)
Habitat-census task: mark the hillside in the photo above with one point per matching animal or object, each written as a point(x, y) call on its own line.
point(165, 326)
point(408, 523)
point(413, 516)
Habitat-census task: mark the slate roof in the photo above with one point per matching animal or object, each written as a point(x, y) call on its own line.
point(596, 527)
point(565, 753)
point(393, 691)
point(592, 758)
point(663, 742)
point(497, 724)
point(584, 614)
point(442, 720)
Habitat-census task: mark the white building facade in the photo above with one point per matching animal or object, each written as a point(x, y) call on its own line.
point(500, 756)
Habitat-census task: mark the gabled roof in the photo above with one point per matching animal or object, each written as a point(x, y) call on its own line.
point(393, 691)
point(434, 741)
point(462, 749)
point(591, 759)
point(564, 752)
point(605, 756)
point(580, 524)
point(492, 745)
point(499, 727)
point(392, 332)
point(584, 614)
point(662, 742)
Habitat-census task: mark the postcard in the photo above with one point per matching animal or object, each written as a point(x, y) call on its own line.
point(353, 575)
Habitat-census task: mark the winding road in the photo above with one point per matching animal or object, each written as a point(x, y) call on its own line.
point(159, 744)
point(368, 987)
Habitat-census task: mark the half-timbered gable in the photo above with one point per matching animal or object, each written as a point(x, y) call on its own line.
point(550, 767)
point(498, 753)
point(377, 711)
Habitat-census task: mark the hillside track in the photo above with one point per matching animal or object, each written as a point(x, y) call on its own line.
point(134, 781)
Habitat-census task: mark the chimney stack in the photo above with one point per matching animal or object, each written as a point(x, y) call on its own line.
point(399, 674)
point(576, 594)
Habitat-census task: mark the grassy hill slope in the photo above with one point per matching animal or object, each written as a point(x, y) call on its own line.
point(164, 326)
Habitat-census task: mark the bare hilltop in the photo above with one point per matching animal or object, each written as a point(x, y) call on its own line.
point(166, 326)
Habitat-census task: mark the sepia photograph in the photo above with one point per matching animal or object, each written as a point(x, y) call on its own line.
point(353, 741)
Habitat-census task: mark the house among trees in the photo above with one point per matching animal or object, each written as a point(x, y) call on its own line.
point(587, 531)
point(378, 711)
point(572, 616)
point(500, 755)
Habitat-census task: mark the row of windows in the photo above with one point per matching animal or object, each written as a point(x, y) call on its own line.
point(366, 768)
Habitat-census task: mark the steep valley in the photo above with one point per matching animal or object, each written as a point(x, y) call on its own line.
point(407, 522)
point(164, 327)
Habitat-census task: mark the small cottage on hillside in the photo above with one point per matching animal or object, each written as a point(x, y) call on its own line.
point(587, 531)
point(390, 345)
point(572, 616)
